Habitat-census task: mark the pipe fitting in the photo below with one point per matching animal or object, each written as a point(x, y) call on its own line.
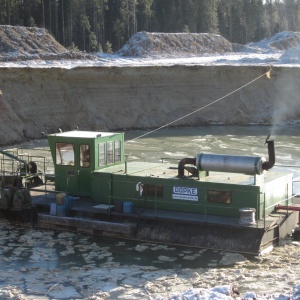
point(267, 165)
point(183, 162)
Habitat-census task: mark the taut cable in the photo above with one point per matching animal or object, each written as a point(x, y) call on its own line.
point(267, 74)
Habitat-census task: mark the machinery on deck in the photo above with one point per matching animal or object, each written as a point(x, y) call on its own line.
point(15, 198)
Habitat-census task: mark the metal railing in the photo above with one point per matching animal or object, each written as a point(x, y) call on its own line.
point(155, 202)
point(290, 206)
point(14, 166)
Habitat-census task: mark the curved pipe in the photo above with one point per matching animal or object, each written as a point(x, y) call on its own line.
point(183, 162)
point(271, 162)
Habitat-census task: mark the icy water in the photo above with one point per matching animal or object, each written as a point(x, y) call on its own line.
point(233, 140)
point(45, 264)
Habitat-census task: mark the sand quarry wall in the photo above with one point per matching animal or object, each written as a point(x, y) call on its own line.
point(116, 98)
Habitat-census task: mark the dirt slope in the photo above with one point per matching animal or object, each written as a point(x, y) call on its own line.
point(174, 44)
point(23, 43)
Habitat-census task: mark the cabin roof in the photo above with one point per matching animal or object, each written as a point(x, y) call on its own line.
point(84, 134)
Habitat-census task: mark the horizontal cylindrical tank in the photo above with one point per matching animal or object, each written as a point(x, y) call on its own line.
point(250, 165)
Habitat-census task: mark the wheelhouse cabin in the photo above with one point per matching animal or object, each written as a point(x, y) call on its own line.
point(77, 154)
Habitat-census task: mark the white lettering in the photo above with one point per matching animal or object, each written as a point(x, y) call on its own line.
point(184, 197)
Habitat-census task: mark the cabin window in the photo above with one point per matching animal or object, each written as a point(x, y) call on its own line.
point(216, 196)
point(109, 153)
point(151, 190)
point(117, 151)
point(85, 156)
point(101, 152)
point(65, 154)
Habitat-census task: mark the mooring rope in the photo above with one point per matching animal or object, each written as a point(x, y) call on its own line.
point(267, 74)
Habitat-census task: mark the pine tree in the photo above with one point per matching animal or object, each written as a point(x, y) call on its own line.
point(225, 17)
point(258, 15)
point(290, 14)
point(237, 22)
point(89, 24)
point(143, 15)
point(207, 16)
point(271, 21)
point(188, 16)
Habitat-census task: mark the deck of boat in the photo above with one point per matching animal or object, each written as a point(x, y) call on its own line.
point(83, 207)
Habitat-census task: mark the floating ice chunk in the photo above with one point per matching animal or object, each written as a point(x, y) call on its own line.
point(62, 292)
point(166, 258)
point(162, 247)
point(250, 296)
point(65, 235)
point(191, 257)
point(132, 282)
point(295, 243)
point(141, 248)
point(120, 271)
point(149, 268)
point(120, 244)
point(232, 258)
point(109, 287)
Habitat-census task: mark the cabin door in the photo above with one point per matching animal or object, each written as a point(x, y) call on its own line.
point(84, 169)
point(73, 168)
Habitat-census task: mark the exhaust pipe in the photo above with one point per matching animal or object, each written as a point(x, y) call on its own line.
point(267, 165)
point(183, 162)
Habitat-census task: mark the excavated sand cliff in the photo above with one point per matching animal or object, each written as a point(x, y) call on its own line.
point(110, 98)
point(123, 94)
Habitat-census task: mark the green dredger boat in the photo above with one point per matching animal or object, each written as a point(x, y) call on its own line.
point(223, 202)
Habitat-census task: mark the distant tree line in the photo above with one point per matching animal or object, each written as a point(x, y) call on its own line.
point(106, 25)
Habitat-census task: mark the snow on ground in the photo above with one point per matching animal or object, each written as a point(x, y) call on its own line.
point(237, 59)
point(283, 49)
point(118, 61)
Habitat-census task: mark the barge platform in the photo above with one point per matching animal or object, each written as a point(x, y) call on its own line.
point(166, 227)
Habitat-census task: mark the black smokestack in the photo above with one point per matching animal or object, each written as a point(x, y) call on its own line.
point(267, 165)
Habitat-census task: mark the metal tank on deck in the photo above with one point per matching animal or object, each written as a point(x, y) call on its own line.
point(250, 165)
